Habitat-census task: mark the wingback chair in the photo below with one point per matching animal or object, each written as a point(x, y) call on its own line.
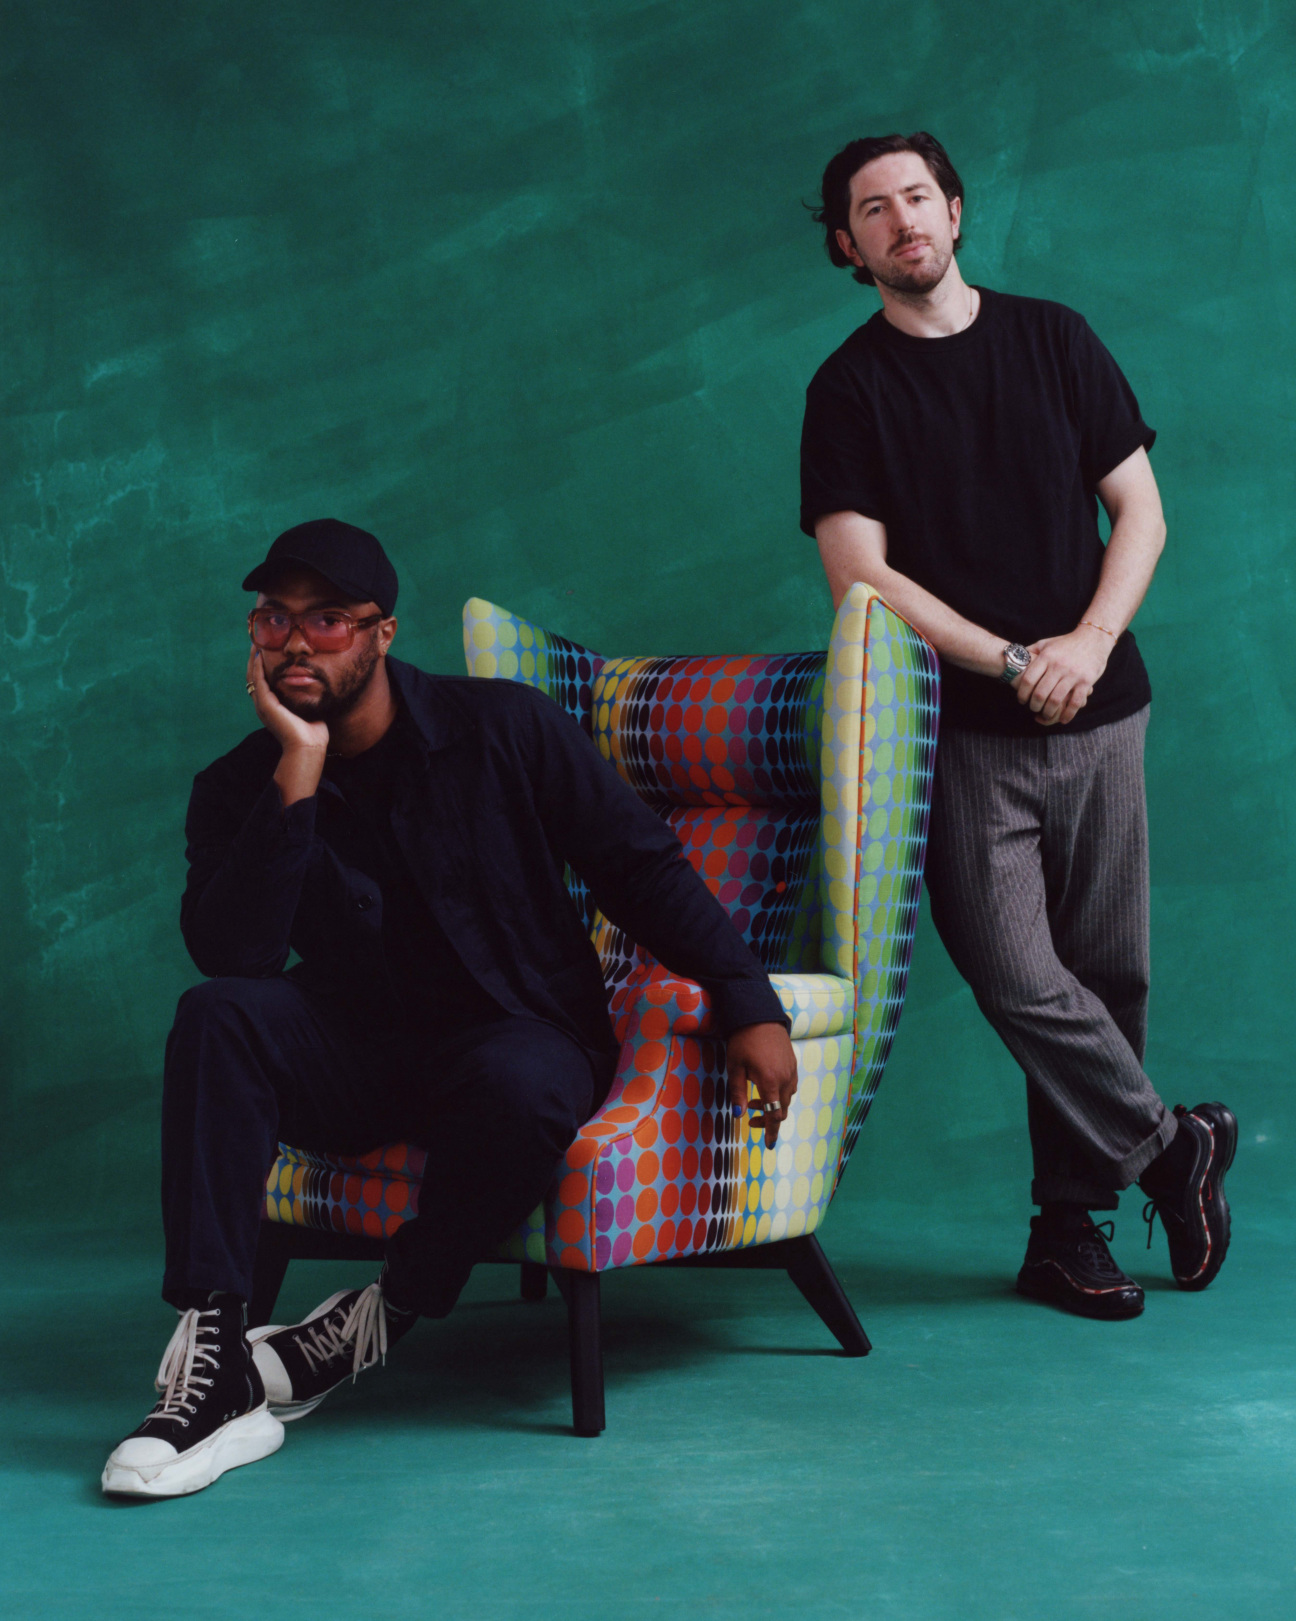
point(799, 785)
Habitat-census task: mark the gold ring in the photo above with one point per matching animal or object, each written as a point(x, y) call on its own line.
point(251, 690)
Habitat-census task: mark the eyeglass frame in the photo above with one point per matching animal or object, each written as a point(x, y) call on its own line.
point(295, 622)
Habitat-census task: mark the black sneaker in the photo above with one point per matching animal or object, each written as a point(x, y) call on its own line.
point(1073, 1268)
point(1185, 1187)
point(212, 1415)
point(350, 1332)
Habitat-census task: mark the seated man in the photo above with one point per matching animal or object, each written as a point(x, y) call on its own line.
point(405, 835)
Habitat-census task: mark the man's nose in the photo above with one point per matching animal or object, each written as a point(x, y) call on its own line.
point(297, 641)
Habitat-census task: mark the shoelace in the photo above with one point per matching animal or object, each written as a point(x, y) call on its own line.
point(1152, 1209)
point(178, 1376)
point(363, 1331)
point(1095, 1251)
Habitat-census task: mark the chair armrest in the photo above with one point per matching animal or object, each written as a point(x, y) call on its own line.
point(667, 1118)
point(684, 1003)
point(651, 1006)
point(817, 1004)
point(651, 1109)
point(647, 1010)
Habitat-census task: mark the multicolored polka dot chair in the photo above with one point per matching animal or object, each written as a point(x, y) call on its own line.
point(798, 785)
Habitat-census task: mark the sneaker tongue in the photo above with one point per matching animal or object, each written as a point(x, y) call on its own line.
point(1170, 1170)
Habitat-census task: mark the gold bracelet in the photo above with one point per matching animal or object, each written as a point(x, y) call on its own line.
point(1094, 625)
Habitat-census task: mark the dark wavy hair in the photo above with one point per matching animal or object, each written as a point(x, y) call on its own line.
point(834, 210)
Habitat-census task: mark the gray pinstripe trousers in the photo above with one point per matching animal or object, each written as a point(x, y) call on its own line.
point(1037, 868)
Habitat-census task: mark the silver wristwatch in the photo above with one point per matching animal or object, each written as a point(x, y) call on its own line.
point(1016, 658)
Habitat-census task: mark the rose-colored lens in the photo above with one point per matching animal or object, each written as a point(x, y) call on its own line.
point(327, 633)
point(271, 630)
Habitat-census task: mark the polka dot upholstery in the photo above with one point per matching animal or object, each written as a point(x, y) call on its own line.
point(757, 861)
point(369, 1196)
point(798, 785)
point(666, 1168)
point(713, 731)
point(499, 644)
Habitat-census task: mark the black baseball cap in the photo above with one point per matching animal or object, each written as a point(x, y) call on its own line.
point(347, 557)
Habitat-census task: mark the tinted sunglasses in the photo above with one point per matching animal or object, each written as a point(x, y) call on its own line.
point(328, 630)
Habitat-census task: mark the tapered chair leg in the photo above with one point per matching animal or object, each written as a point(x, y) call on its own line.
point(809, 1269)
point(273, 1253)
point(585, 1335)
point(535, 1280)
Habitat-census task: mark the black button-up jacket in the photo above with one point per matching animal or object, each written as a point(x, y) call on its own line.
point(502, 789)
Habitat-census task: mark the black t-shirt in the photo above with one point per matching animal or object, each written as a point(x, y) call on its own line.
point(981, 454)
point(432, 984)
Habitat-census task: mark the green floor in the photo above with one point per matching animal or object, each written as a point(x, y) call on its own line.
point(991, 1458)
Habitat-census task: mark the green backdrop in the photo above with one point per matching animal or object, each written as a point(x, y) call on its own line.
point(526, 287)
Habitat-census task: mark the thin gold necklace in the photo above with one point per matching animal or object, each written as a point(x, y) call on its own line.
point(974, 305)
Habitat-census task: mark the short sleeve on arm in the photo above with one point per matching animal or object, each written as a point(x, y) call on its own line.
point(1111, 425)
point(839, 454)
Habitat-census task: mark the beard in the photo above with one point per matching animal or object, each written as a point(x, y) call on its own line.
point(339, 696)
point(921, 279)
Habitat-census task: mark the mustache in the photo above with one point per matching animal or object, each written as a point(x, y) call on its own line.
point(909, 242)
point(301, 664)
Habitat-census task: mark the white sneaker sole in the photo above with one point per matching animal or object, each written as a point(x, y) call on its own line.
point(243, 1440)
point(287, 1411)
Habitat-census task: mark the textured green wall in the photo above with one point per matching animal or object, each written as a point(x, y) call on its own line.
point(526, 287)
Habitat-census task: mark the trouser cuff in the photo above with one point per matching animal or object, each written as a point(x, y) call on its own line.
point(184, 1292)
point(1098, 1195)
point(1071, 1190)
point(1133, 1165)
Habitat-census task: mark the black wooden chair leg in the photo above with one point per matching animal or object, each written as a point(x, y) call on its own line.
point(809, 1269)
point(585, 1335)
point(273, 1253)
point(535, 1280)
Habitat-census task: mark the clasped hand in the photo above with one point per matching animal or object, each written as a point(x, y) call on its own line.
point(1062, 674)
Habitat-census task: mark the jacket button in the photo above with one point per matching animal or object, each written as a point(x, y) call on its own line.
point(363, 902)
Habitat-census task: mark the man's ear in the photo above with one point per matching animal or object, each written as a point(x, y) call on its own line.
point(956, 214)
point(846, 242)
point(386, 634)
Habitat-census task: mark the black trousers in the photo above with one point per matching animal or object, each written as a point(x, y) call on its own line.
point(253, 1062)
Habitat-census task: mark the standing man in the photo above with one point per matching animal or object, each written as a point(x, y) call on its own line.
point(405, 835)
point(953, 454)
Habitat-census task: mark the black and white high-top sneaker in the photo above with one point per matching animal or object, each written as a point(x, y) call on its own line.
point(348, 1333)
point(212, 1415)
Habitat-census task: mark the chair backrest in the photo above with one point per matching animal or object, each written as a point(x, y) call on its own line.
point(725, 749)
point(798, 784)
